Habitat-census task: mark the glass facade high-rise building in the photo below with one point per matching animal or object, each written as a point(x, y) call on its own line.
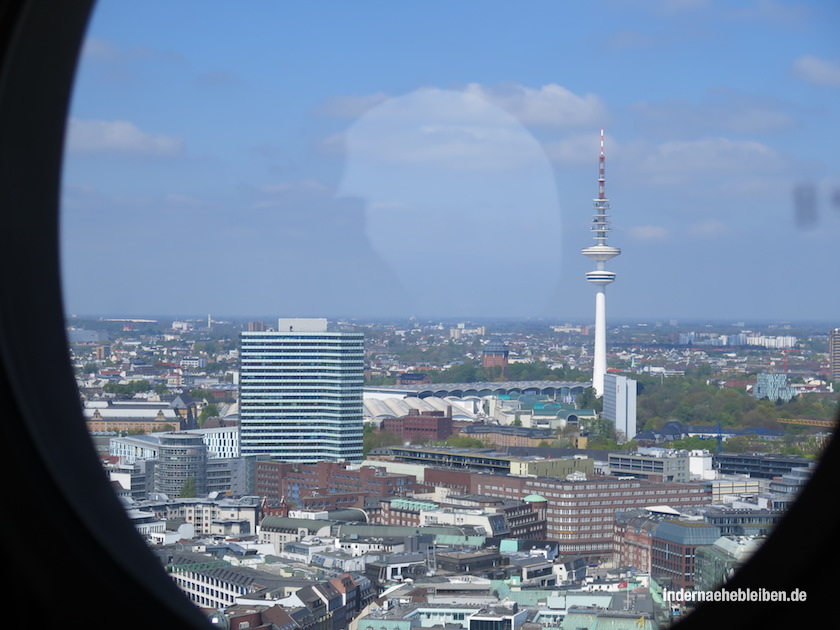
point(773, 387)
point(181, 457)
point(300, 392)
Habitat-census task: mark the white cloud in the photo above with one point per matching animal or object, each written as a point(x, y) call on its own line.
point(787, 13)
point(709, 229)
point(476, 128)
point(333, 144)
point(551, 105)
point(350, 106)
point(580, 149)
point(756, 121)
point(94, 48)
point(729, 112)
point(680, 160)
point(283, 195)
point(448, 129)
point(306, 185)
point(817, 71)
point(648, 232)
point(103, 50)
point(469, 174)
point(119, 136)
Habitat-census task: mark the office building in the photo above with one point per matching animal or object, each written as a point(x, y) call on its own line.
point(620, 405)
point(486, 460)
point(581, 511)
point(656, 464)
point(182, 462)
point(761, 465)
point(714, 564)
point(220, 442)
point(834, 354)
point(434, 426)
point(674, 544)
point(301, 392)
point(773, 387)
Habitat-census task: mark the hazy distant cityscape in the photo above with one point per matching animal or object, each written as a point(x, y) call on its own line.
point(451, 446)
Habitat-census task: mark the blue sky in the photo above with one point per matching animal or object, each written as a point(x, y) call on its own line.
point(440, 159)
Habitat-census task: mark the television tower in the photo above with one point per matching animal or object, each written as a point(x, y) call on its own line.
point(600, 253)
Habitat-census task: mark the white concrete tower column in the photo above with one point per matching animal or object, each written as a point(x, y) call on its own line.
point(599, 361)
point(600, 253)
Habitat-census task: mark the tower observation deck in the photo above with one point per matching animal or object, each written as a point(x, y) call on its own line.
point(600, 277)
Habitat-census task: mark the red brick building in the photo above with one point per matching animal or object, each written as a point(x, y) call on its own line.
point(580, 514)
point(402, 512)
point(633, 539)
point(673, 544)
point(495, 354)
point(434, 426)
point(296, 483)
point(413, 378)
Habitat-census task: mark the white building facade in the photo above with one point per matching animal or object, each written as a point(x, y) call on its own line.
point(620, 404)
point(301, 395)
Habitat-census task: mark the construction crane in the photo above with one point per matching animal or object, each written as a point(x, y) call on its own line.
point(829, 424)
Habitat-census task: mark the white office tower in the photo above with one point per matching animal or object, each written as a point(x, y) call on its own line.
point(600, 253)
point(620, 405)
point(300, 392)
point(834, 354)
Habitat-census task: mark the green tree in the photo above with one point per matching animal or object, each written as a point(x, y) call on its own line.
point(693, 443)
point(464, 441)
point(602, 435)
point(373, 438)
point(737, 444)
point(210, 411)
point(464, 373)
point(188, 488)
point(381, 380)
point(127, 389)
point(589, 400)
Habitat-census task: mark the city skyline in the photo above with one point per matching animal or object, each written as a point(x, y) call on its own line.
point(231, 162)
